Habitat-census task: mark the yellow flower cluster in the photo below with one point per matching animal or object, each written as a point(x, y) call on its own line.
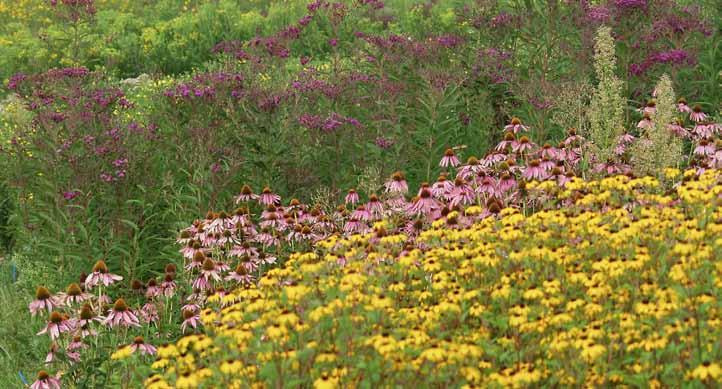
point(619, 288)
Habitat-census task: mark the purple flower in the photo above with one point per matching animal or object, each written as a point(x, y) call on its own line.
point(69, 195)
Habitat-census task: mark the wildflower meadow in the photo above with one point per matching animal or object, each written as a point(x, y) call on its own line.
point(360, 194)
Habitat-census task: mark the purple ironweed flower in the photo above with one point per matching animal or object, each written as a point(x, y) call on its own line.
point(69, 195)
point(383, 143)
point(598, 14)
point(628, 4)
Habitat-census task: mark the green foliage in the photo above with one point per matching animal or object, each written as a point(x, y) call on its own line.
point(606, 111)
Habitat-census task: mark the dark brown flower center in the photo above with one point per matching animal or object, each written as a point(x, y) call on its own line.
point(42, 293)
point(120, 305)
point(209, 265)
point(100, 267)
point(56, 318)
point(74, 290)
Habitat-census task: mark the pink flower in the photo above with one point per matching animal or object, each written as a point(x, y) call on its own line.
point(649, 109)
point(646, 122)
point(534, 171)
point(449, 159)
point(361, 213)
point(100, 275)
point(269, 198)
point(516, 126)
point(240, 275)
point(168, 285)
point(397, 184)
point(46, 381)
point(246, 195)
point(352, 197)
point(462, 193)
point(152, 289)
point(190, 318)
point(697, 115)
point(704, 130)
point(140, 345)
point(424, 204)
point(508, 141)
point(375, 206)
point(149, 313)
point(677, 129)
point(43, 300)
point(524, 144)
point(121, 315)
point(682, 106)
point(57, 324)
point(705, 147)
point(73, 295)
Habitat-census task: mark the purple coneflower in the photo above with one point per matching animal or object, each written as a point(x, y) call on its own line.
point(121, 315)
point(269, 198)
point(57, 324)
point(677, 128)
point(375, 206)
point(646, 122)
point(240, 275)
point(522, 145)
point(704, 130)
point(423, 204)
point(43, 300)
point(648, 109)
point(506, 142)
point(168, 285)
point(139, 344)
point(516, 126)
point(705, 147)
point(682, 106)
point(73, 295)
point(361, 213)
point(697, 115)
point(149, 313)
point(534, 171)
point(152, 289)
point(100, 275)
point(462, 193)
point(397, 184)
point(190, 318)
point(449, 159)
point(46, 381)
point(352, 197)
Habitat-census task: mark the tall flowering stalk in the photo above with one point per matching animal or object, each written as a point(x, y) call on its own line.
point(658, 147)
point(606, 112)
